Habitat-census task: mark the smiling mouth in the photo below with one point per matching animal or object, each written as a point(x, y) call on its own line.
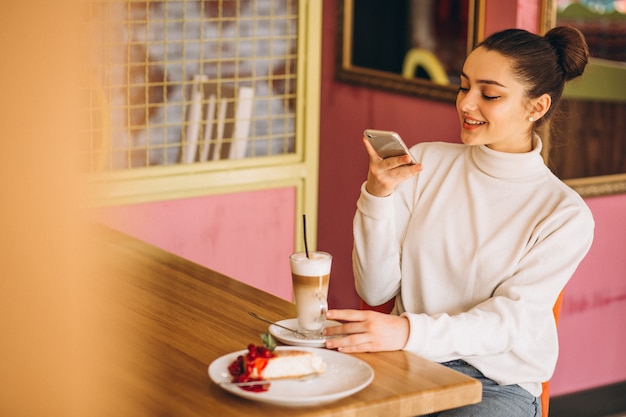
point(473, 122)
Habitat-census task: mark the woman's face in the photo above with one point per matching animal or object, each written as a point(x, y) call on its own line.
point(492, 104)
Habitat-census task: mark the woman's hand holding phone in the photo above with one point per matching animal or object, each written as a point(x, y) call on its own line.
point(385, 174)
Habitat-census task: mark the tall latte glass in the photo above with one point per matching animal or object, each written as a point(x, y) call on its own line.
point(310, 287)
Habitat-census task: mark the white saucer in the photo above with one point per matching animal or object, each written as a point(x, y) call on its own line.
point(344, 376)
point(290, 338)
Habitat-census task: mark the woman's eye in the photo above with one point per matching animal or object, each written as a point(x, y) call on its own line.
point(465, 90)
point(486, 97)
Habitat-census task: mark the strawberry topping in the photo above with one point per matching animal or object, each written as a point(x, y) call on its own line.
point(248, 367)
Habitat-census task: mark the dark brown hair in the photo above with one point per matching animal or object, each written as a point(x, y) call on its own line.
point(543, 63)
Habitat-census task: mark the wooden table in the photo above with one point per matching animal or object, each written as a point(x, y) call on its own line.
point(174, 317)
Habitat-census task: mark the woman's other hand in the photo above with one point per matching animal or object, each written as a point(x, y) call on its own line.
point(385, 174)
point(366, 331)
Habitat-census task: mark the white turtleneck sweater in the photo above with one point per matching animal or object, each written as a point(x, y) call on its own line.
point(476, 249)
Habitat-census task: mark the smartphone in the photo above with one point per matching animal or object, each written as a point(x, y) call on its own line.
point(387, 144)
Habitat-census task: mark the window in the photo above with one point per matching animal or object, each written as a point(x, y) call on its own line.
point(165, 75)
point(186, 81)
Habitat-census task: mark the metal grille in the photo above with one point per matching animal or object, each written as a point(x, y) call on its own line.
point(188, 81)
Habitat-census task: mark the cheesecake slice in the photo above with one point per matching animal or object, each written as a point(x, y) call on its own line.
point(288, 364)
point(261, 364)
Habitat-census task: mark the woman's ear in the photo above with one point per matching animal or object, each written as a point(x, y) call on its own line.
point(540, 106)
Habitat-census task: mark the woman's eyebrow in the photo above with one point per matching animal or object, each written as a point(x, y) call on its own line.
point(490, 82)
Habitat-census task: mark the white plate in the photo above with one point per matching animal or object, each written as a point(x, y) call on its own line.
point(290, 338)
point(344, 376)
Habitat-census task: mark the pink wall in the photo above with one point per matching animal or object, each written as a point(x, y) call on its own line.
point(593, 320)
point(247, 236)
point(592, 329)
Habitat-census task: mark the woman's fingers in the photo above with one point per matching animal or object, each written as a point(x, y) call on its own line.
point(366, 331)
point(370, 150)
point(385, 174)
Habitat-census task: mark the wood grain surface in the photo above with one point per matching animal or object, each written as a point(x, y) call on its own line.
point(170, 318)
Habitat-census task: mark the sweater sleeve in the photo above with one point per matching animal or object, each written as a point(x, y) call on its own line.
point(516, 318)
point(376, 250)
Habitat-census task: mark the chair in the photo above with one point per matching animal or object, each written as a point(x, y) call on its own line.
point(418, 57)
point(545, 393)
point(556, 310)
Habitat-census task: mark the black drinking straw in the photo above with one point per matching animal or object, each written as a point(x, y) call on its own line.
point(306, 246)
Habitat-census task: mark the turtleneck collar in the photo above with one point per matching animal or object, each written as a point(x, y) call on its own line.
point(507, 165)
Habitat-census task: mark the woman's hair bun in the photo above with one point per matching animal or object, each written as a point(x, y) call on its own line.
point(571, 49)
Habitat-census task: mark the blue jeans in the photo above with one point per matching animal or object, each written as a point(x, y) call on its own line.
point(498, 400)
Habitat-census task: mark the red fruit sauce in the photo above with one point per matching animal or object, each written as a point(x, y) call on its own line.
point(241, 369)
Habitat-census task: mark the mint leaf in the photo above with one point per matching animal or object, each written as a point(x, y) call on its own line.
point(268, 341)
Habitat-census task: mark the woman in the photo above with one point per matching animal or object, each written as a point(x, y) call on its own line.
point(476, 242)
